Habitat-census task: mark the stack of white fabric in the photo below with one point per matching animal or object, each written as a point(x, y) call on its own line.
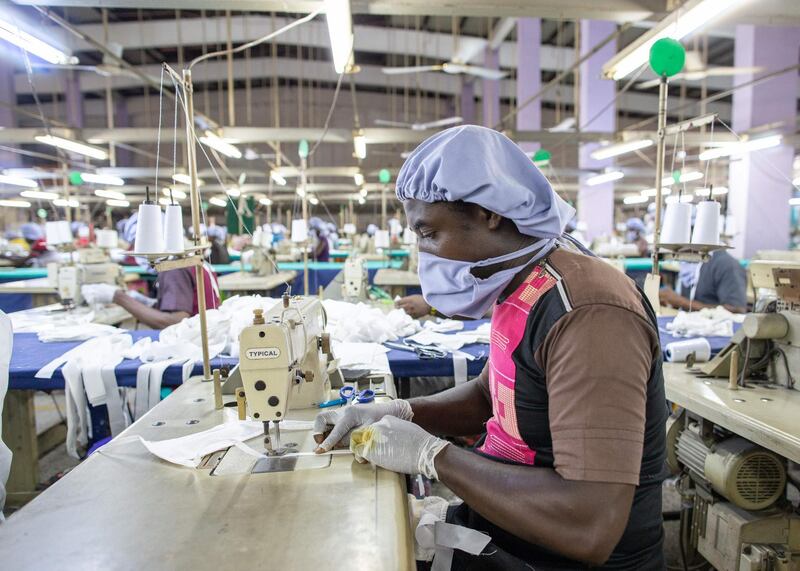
point(716, 322)
point(360, 323)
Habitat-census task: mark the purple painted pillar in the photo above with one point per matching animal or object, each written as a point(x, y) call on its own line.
point(759, 181)
point(7, 119)
point(529, 77)
point(74, 99)
point(595, 203)
point(468, 100)
point(122, 118)
point(491, 91)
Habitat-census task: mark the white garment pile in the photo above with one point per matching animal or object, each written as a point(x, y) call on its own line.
point(452, 341)
point(371, 356)
point(54, 326)
point(440, 325)
point(716, 322)
point(360, 323)
point(89, 378)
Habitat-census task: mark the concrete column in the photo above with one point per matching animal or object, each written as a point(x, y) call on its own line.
point(468, 100)
point(126, 158)
point(759, 183)
point(7, 118)
point(529, 77)
point(491, 91)
point(595, 203)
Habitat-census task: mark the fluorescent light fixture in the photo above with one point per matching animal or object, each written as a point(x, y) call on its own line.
point(73, 146)
point(277, 178)
point(358, 178)
point(233, 192)
point(340, 30)
point(164, 201)
point(301, 192)
point(18, 181)
point(39, 194)
point(635, 199)
point(34, 45)
point(716, 191)
point(683, 198)
point(792, 201)
point(182, 178)
point(216, 201)
point(68, 202)
point(604, 177)
point(361, 200)
point(651, 192)
point(680, 23)
point(620, 149)
point(265, 201)
point(109, 179)
point(15, 203)
point(212, 140)
point(363, 193)
point(313, 200)
point(176, 193)
point(104, 193)
point(685, 177)
point(115, 202)
point(741, 148)
point(360, 145)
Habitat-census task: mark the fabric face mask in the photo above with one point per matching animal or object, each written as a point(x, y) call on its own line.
point(451, 288)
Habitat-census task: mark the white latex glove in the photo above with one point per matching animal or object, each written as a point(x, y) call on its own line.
point(98, 294)
point(141, 298)
point(349, 417)
point(397, 445)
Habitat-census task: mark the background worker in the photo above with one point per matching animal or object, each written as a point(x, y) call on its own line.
point(572, 398)
point(719, 281)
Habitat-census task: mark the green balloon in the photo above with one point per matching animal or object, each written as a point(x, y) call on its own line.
point(667, 57)
point(384, 176)
point(75, 178)
point(204, 204)
point(302, 149)
point(676, 176)
point(41, 213)
point(542, 155)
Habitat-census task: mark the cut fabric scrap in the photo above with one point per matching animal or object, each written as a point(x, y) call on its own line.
point(716, 322)
point(371, 356)
point(358, 323)
point(443, 325)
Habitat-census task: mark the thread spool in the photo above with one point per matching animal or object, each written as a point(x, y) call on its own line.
point(677, 224)
point(706, 225)
point(149, 228)
point(299, 230)
point(107, 239)
point(173, 229)
point(679, 351)
point(349, 229)
point(382, 239)
point(53, 233)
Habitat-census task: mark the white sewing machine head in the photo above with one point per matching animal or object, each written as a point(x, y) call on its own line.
point(93, 267)
point(355, 286)
point(284, 357)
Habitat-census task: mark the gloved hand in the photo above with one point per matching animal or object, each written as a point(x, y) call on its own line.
point(98, 294)
point(397, 445)
point(349, 417)
point(141, 298)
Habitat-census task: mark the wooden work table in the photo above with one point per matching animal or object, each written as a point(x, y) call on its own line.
point(246, 281)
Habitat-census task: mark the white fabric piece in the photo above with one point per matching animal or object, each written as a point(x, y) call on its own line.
point(459, 368)
point(435, 535)
point(349, 322)
point(716, 322)
point(444, 325)
point(6, 344)
point(370, 356)
point(188, 450)
point(76, 333)
point(40, 319)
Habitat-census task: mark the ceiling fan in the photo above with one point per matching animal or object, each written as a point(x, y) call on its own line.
point(420, 126)
point(467, 49)
point(108, 68)
point(695, 70)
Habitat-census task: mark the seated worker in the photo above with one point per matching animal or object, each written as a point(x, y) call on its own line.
point(569, 469)
point(635, 233)
point(319, 234)
point(176, 296)
point(719, 281)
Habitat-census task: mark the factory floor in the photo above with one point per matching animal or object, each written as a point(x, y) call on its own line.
point(56, 463)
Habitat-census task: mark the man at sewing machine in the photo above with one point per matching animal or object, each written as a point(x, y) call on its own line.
point(719, 281)
point(569, 469)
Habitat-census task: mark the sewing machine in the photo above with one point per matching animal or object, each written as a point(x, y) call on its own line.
point(355, 285)
point(93, 267)
point(285, 363)
point(736, 443)
point(263, 260)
